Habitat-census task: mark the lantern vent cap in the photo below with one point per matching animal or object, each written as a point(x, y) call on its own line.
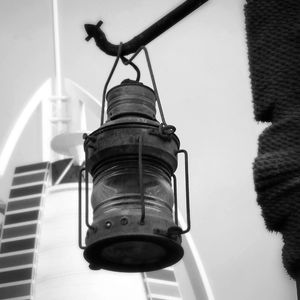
point(131, 98)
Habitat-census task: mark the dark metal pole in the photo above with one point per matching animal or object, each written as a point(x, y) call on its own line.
point(147, 35)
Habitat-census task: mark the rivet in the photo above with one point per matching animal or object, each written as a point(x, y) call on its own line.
point(107, 224)
point(124, 221)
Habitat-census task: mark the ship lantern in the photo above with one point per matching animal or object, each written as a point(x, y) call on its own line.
point(132, 159)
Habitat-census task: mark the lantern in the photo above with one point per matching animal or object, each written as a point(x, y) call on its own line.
point(132, 159)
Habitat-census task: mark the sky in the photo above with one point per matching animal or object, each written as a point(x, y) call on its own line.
point(201, 69)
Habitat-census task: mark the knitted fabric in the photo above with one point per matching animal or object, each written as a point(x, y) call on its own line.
point(273, 37)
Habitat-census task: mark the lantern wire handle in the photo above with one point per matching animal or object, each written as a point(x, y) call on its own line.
point(152, 79)
point(125, 62)
point(129, 62)
point(107, 82)
point(141, 181)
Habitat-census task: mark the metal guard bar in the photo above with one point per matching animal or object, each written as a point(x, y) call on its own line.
point(80, 209)
point(145, 37)
point(187, 191)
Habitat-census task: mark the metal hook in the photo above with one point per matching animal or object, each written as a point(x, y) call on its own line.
point(145, 37)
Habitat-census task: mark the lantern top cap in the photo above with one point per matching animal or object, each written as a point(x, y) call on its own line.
point(131, 98)
point(130, 81)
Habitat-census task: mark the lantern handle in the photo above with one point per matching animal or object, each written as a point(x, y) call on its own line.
point(145, 37)
point(130, 62)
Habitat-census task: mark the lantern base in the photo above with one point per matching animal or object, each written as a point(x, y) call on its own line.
point(133, 253)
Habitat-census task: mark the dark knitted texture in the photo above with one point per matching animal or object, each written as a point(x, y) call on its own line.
point(273, 37)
